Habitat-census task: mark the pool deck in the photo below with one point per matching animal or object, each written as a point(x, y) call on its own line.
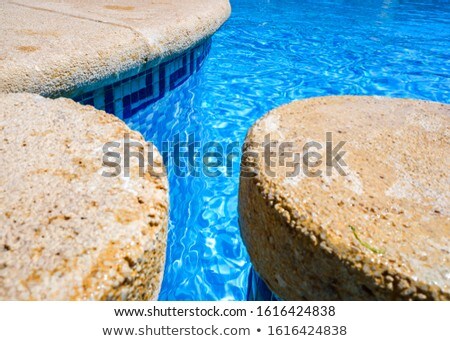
point(52, 48)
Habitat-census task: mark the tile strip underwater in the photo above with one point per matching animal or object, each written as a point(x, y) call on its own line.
point(125, 96)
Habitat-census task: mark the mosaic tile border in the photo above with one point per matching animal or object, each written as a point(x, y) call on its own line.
point(127, 95)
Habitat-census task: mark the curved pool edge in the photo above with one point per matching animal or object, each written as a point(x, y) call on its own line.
point(43, 55)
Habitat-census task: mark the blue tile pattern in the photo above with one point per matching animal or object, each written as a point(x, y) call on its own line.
point(124, 96)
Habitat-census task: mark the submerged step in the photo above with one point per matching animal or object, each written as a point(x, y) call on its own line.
point(348, 198)
point(69, 228)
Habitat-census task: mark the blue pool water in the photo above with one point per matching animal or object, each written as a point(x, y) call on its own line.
point(269, 53)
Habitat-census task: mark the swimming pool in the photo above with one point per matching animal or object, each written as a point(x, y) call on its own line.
point(267, 54)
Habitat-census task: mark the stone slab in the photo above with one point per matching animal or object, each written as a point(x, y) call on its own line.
point(52, 48)
point(66, 231)
point(380, 232)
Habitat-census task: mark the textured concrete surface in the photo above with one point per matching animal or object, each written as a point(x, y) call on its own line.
point(54, 47)
point(66, 231)
point(382, 231)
